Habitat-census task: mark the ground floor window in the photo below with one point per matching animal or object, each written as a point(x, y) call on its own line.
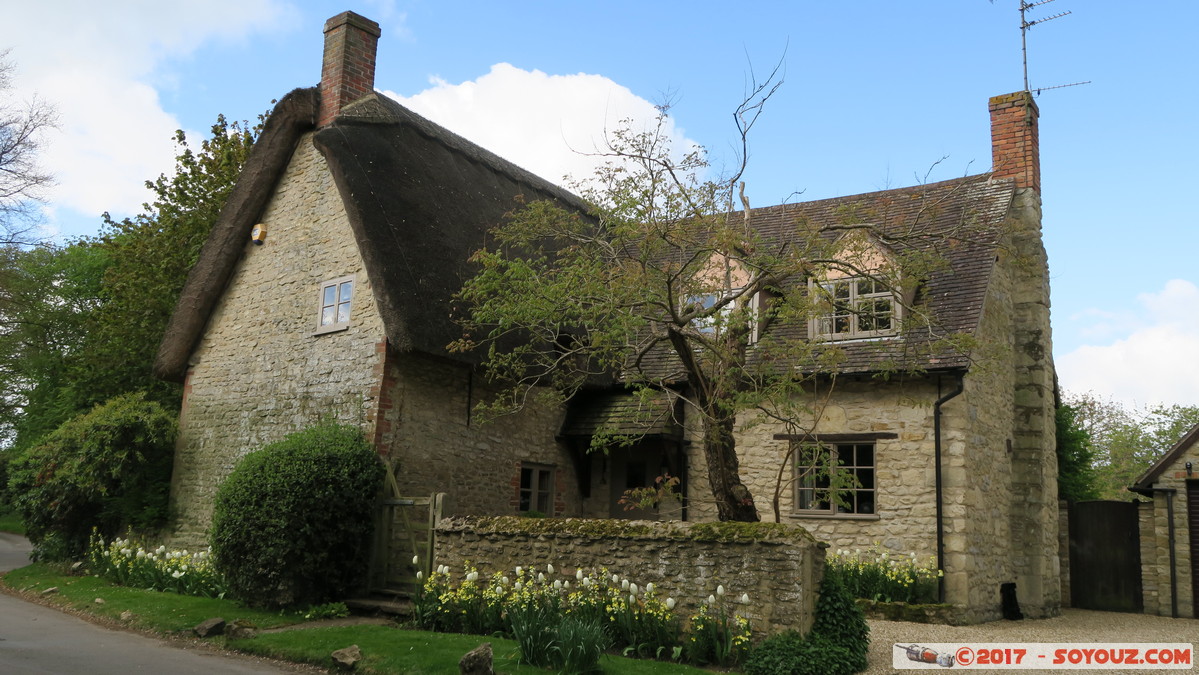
point(536, 489)
point(834, 478)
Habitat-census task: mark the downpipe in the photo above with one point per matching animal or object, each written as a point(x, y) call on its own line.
point(939, 487)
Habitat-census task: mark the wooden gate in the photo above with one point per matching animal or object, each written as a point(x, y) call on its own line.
point(1105, 556)
point(403, 531)
point(1193, 533)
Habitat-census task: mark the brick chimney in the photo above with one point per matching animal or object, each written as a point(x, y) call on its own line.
point(1015, 149)
point(348, 72)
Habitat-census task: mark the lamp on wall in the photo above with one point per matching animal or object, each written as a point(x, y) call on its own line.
point(1188, 465)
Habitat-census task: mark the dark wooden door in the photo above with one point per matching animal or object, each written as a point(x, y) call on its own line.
point(1105, 556)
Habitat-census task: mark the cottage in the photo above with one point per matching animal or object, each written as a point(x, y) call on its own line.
point(325, 287)
point(1169, 530)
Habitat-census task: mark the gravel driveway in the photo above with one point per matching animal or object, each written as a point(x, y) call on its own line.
point(1074, 625)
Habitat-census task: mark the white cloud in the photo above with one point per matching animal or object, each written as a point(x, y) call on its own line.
point(545, 123)
point(98, 64)
point(1157, 361)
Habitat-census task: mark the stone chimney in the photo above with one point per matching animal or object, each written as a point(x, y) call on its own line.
point(348, 72)
point(1015, 148)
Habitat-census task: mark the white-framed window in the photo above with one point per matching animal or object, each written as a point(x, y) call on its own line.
point(536, 492)
point(336, 298)
point(835, 478)
point(857, 307)
point(757, 308)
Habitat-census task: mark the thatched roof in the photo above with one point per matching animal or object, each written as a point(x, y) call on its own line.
point(420, 201)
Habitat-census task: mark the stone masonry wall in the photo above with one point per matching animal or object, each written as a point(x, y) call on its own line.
point(1155, 538)
point(437, 443)
point(779, 570)
point(259, 372)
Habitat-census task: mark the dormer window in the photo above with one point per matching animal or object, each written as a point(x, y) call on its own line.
point(859, 307)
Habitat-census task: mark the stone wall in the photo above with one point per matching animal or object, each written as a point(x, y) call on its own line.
point(437, 443)
point(1063, 549)
point(1155, 541)
point(259, 371)
point(777, 566)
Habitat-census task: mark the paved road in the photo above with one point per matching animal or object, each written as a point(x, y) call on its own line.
point(39, 640)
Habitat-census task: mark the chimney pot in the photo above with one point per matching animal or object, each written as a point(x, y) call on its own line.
point(348, 68)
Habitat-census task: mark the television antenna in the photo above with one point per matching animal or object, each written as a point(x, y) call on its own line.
point(1025, 24)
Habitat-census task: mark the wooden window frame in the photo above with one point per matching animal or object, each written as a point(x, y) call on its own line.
point(542, 480)
point(857, 307)
point(863, 496)
point(338, 323)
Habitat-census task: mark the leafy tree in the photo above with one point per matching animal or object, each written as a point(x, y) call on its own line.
point(21, 179)
point(657, 283)
point(1076, 479)
point(1127, 442)
point(149, 257)
point(109, 468)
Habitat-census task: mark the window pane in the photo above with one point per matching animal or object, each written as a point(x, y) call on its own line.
point(346, 290)
point(328, 296)
point(526, 479)
point(343, 312)
point(327, 316)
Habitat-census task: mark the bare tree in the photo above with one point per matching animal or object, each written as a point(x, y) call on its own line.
point(22, 180)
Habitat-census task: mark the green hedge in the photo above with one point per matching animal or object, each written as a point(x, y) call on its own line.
point(293, 521)
point(108, 469)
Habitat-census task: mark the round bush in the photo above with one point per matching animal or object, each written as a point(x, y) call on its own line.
point(293, 521)
point(108, 469)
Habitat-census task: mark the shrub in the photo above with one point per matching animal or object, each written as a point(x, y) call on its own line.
point(790, 653)
point(108, 469)
point(840, 621)
point(292, 522)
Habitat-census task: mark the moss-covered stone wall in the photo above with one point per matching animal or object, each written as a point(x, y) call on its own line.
point(778, 566)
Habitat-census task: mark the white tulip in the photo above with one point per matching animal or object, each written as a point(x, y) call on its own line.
point(720, 591)
point(711, 599)
point(579, 574)
point(745, 598)
point(549, 568)
point(670, 603)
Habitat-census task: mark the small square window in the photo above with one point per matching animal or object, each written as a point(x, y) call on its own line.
point(335, 301)
point(856, 307)
point(835, 479)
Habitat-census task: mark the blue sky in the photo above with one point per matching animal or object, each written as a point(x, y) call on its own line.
point(877, 94)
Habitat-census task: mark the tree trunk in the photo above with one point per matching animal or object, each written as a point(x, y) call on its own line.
point(733, 500)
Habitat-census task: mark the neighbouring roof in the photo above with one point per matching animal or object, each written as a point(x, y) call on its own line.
point(1159, 467)
point(960, 219)
point(419, 198)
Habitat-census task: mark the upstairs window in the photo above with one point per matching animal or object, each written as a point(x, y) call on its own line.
point(857, 307)
point(335, 300)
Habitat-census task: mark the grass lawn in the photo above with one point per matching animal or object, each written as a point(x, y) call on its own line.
point(385, 649)
point(11, 522)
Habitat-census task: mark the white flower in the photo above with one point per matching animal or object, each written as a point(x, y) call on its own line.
point(624, 584)
point(504, 580)
point(633, 589)
point(419, 575)
point(176, 574)
point(566, 584)
point(745, 598)
point(416, 560)
point(540, 578)
point(557, 584)
point(498, 590)
point(720, 590)
point(579, 574)
point(141, 553)
point(519, 570)
point(549, 568)
point(670, 603)
point(518, 586)
point(615, 579)
point(711, 599)
point(473, 576)
point(632, 599)
point(649, 588)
